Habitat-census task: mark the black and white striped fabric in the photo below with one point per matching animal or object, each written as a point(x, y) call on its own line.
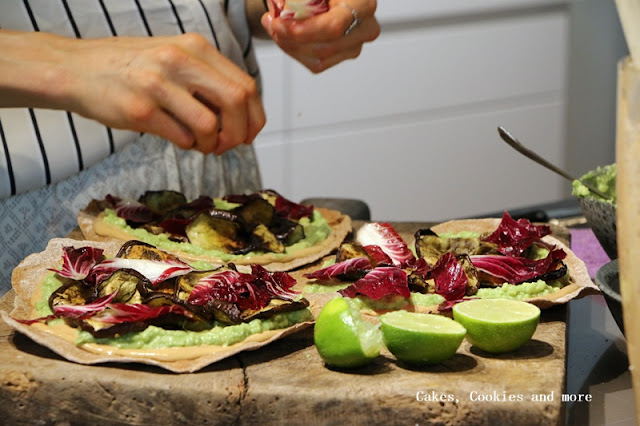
point(52, 163)
point(67, 143)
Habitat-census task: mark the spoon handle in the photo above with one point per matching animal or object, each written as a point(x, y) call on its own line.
point(515, 144)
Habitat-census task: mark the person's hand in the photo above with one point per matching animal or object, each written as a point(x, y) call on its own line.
point(329, 38)
point(180, 88)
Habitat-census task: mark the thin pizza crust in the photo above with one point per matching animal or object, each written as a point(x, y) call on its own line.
point(95, 229)
point(580, 285)
point(26, 281)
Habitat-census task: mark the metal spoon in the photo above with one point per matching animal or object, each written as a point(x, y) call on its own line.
point(514, 143)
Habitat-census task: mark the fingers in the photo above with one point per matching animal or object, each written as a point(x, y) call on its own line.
point(215, 100)
point(318, 57)
point(178, 87)
point(232, 96)
point(327, 39)
point(326, 27)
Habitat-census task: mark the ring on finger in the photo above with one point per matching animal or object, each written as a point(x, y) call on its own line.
point(354, 14)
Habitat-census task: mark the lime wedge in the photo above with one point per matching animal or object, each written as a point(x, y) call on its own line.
point(343, 338)
point(421, 338)
point(497, 325)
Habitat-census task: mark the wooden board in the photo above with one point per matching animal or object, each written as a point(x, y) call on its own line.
point(287, 382)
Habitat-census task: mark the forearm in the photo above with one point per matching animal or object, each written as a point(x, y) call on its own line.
point(30, 71)
point(255, 9)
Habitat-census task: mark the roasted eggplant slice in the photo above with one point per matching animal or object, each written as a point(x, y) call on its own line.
point(275, 306)
point(195, 321)
point(287, 231)
point(161, 202)
point(191, 209)
point(256, 211)
point(217, 230)
point(153, 229)
point(419, 284)
point(348, 251)
point(71, 293)
point(471, 273)
point(559, 272)
point(431, 247)
point(110, 330)
point(127, 282)
point(138, 250)
point(294, 235)
point(264, 240)
point(185, 283)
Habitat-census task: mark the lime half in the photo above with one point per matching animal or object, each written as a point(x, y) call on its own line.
point(421, 338)
point(343, 338)
point(497, 325)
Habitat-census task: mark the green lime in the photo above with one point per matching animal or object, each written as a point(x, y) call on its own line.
point(497, 325)
point(343, 338)
point(421, 338)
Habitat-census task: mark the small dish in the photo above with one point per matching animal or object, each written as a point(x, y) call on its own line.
point(607, 279)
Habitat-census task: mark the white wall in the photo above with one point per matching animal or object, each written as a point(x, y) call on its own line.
point(410, 126)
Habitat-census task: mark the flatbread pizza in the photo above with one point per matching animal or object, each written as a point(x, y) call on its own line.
point(97, 302)
point(453, 261)
point(262, 228)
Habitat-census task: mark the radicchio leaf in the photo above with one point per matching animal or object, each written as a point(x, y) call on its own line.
point(80, 312)
point(230, 286)
point(155, 271)
point(118, 313)
point(298, 9)
point(379, 257)
point(517, 270)
point(449, 277)
point(278, 284)
point(291, 210)
point(514, 237)
point(346, 267)
point(383, 235)
point(175, 226)
point(84, 311)
point(380, 282)
point(131, 210)
point(420, 266)
point(77, 262)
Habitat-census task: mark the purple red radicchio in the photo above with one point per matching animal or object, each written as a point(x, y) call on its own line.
point(84, 311)
point(449, 277)
point(78, 262)
point(517, 270)
point(291, 210)
point(514, 237)
point(346, 267)
point(155, 271)
point(380, 282)
point(378, 256)
point(298, 9)
point(123, 312)
point(247, 291)
point(383, 235)
point(131, 210)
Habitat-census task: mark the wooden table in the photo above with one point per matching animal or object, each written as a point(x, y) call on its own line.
point(287, 382)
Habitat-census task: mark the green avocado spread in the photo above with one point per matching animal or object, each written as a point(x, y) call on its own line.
point(602, 178)
point(315, 231)
point(156, 337)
